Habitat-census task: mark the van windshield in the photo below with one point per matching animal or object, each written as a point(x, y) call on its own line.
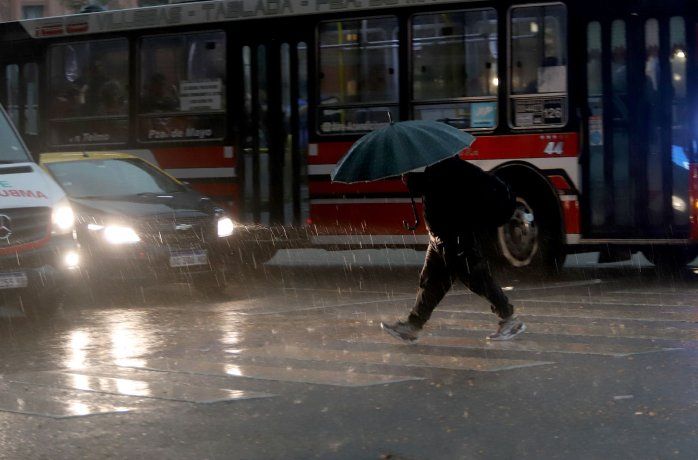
point(11, 148)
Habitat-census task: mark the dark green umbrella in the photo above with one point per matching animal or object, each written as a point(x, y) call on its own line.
point(399, 148)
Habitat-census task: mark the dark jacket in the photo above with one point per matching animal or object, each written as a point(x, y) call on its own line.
point(452, 192)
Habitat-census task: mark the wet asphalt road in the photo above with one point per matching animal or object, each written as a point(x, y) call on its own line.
point(293, 365)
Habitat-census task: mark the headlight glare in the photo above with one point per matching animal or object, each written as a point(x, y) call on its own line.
point(226, 227)
point(117, 234)
point(62, 218)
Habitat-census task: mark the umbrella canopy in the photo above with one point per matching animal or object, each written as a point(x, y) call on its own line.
point(399, 148)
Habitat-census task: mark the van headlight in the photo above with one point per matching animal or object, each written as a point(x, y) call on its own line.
point(62, 218)
point(118, 234)
point(226, 227)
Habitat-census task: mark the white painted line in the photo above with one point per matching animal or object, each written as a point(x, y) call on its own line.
point(523, 343)
point(21, 398)
point(370, 239)
point(531, 313)
point(394, 357)
point(323, 307)
point(139, 388)
point(281, 373)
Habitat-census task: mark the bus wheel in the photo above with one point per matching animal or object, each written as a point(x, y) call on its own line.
point(531, 238)
point(669, 259)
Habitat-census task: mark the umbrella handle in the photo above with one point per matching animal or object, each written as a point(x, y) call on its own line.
point(405, 224)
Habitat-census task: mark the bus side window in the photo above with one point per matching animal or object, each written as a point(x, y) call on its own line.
point(454, 68)
point(182, 87)
point(538, 66)
point(88, 93)
point(358, 74)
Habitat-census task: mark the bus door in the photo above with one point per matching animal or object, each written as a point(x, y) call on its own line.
point(638, 126)
point(272, 127)
point(20, 96)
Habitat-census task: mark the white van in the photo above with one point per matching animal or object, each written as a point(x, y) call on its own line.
point(38, 249)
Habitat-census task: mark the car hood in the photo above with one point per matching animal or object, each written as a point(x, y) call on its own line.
point(138, 207)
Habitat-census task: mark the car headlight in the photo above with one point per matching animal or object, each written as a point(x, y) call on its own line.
point(117, 234)
point(226, 227)
point(62, 218)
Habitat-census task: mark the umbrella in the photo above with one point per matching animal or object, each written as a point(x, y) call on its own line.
point(399, 148)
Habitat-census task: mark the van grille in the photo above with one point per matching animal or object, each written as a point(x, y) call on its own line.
point(23, 225)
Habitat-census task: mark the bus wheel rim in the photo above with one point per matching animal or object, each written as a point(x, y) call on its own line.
point(518, 239)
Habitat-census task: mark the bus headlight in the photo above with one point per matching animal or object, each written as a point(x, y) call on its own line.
point(62, 218)
point(117, 234)
point(226, 227)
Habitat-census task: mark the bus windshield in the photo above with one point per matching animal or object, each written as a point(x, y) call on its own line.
point(11, 148)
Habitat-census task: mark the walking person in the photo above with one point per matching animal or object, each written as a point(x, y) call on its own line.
point(454, 196)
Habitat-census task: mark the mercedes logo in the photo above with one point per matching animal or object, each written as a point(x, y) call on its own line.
point(5, 229)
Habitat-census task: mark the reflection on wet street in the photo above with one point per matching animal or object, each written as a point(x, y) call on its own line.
point(293, 364)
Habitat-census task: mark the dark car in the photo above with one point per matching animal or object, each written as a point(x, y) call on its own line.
point(135, 222)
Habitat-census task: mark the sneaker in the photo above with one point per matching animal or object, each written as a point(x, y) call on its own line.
point(508, 329)
point(402, 330)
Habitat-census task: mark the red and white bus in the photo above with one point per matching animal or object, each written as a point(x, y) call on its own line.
point(587, 108)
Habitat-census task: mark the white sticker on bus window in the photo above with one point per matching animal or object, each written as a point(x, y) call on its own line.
point(198, 95)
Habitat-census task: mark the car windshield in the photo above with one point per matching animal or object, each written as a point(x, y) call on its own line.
point(11, 148)
point(111, 178)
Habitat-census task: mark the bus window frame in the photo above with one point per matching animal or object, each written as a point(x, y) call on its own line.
point(45, 123)
point(397, 105)
point(509, 96)
point(135, 127)
point(412, 103)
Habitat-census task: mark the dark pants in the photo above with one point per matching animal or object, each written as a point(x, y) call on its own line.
point(447, 260)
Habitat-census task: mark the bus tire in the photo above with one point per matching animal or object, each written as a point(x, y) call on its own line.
point(532, 239)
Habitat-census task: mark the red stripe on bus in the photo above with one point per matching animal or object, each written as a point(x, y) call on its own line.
point(570, 211)
point(192, 157)
point(364, 219)
point(560, 183)
point(26, 246)
point(509, 147)
point(328, 188)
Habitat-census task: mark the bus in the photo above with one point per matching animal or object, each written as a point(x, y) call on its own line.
point(586, 108)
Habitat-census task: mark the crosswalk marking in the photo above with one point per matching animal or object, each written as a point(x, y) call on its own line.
point(612, 329)
point(522, 343)
point(285, 373)
point(396, 357)
point(625, 315)
point(128, 387)
point(59, 403)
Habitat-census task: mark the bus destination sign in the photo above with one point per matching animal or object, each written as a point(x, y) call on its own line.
point(199, 13)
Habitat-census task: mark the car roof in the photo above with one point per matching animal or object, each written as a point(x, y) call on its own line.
point(84, 156)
